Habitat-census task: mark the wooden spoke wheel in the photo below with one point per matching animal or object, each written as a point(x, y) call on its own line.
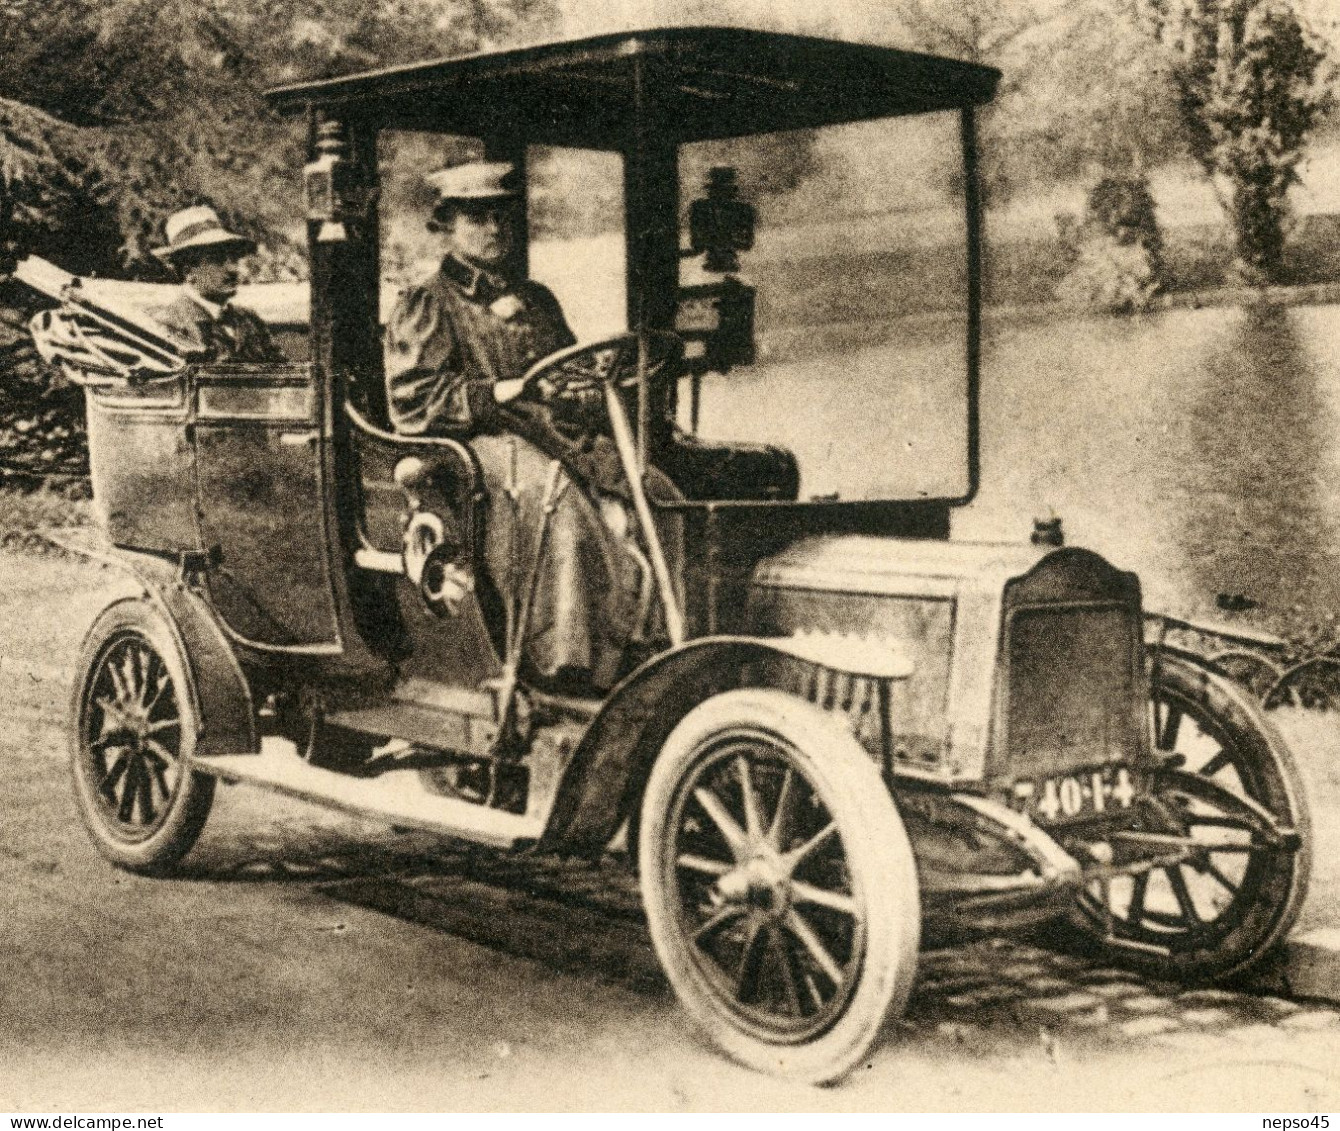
point(133, 733)
point(1257, 674)
point(1232, 787)
point(1313, 685)
point(779, 884)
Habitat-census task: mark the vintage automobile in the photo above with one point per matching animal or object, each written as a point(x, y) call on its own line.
point(837, 727)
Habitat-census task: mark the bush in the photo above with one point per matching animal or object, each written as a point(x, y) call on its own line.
point(1253, 83)
point(42, 435)
point(1109, 276)
point(1123, 207)
point(1114, 255)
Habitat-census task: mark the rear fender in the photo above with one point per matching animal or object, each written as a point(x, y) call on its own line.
point(609, 768)
point(218, 688)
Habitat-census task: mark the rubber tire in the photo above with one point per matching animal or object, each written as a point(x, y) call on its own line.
point(1209, 697)
point(879, 857)
point(189, 807)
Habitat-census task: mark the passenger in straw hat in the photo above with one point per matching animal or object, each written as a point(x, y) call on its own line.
point(206, 256)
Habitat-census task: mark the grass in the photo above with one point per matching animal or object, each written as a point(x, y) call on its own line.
point(27, 513)
point(877, 284)
point(836, 300)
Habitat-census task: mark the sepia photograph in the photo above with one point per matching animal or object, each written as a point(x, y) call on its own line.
point(668, 556)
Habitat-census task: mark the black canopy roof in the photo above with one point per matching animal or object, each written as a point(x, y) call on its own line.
point(690, 83)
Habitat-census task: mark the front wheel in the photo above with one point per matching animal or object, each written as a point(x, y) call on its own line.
point(1231, 786)
point(779, 883)
point(133, 732)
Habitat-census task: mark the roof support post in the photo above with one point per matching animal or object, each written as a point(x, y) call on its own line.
point(346, 353)
point(972, 198)
point(651, 205)
point(651, 221)
point(344, 264)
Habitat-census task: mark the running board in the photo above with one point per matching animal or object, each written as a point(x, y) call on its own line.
point(445, 730)
point(396, 796)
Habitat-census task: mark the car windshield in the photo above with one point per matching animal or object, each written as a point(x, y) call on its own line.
point(861, 321)
point(859, 264)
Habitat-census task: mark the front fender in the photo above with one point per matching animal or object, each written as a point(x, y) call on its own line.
point(218, 688)
point(610, 765)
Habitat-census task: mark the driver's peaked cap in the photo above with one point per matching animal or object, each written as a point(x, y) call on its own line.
point(476, 180)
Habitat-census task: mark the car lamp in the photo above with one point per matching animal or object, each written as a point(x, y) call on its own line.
point(327, 186)
point(716, 321)
point(721, 224)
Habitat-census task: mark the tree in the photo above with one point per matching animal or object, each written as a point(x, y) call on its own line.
point(115, 112)
point(1081, 95)
point(174, 91)
point(55, 196)
point(978, 31)
point(1251, 87)
point(1095, 101)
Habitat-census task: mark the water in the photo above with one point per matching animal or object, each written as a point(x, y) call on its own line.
point(1200, 448)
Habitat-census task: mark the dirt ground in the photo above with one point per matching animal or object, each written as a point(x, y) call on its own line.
point(305, 961)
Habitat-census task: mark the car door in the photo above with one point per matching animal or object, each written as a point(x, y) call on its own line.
point(259, 486)
point(140, 461)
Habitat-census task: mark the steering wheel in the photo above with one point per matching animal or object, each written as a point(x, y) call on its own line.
point(577, 376)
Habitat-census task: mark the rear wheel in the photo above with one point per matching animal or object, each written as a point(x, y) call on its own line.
point(1313, 685)
point(1257, 674)
point(779, 883)
point(134, 729)
point(1231, 785)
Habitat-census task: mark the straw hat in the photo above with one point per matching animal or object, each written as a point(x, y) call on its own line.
point(199, 227)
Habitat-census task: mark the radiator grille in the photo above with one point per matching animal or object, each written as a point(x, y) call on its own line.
point(1071, 673)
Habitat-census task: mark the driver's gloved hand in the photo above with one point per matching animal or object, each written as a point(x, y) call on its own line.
point(569, 393)
point(480, 401)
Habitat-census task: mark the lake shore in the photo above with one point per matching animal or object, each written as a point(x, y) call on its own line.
point(796, 340)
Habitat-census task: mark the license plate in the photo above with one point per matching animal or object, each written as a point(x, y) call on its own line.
point(1078, 794)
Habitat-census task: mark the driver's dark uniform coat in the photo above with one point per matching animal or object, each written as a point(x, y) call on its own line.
point(456, 334)
point(448, 341)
